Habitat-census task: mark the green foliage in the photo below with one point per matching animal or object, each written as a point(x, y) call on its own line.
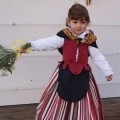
point(8, 58)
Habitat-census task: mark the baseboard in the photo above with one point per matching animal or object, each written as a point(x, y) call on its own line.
point(29, 96)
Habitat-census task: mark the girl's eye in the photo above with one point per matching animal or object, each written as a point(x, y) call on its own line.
point(83, 22)
point(75, 22)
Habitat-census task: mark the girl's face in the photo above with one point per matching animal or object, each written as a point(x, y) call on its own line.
point(77, 26)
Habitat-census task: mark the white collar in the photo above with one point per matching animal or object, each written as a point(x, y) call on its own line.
point(83, 34)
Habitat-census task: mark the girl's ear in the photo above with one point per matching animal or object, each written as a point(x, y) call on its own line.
point(67, 21)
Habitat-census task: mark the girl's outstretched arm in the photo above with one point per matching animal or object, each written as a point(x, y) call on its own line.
point(49, 43)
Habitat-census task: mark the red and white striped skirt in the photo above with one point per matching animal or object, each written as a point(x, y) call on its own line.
point(52, 107)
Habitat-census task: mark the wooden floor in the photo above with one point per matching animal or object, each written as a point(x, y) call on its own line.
point(111, 108)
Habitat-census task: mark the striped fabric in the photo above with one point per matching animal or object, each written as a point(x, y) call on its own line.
point(52, 107)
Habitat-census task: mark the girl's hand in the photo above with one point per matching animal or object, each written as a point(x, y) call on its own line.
point(23, 51)
point(109, 77)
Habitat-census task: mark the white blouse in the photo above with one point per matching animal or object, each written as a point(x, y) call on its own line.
point(55, 42)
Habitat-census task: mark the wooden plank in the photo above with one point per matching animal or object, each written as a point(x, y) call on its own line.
point(111, 108)
point(18, 112)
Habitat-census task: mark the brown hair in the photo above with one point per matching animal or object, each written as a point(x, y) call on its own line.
point(78, 12)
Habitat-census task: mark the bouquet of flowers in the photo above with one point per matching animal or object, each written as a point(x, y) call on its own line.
point(9, 56)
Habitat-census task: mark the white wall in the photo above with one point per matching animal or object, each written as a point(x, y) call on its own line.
point(35, 19)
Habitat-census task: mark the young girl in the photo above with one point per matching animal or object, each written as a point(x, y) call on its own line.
point(72, 93)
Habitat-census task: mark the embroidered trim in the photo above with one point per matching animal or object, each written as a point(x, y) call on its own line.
point(90, 38)
point(70, 34)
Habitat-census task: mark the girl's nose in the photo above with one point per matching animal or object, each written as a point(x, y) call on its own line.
point(79, 25)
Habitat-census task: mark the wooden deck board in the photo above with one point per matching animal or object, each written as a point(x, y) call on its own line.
point(111, 109)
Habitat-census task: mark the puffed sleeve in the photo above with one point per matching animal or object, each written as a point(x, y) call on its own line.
point(50, 43)
point(100, 60)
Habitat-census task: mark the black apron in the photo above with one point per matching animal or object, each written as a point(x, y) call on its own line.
point(71, 87)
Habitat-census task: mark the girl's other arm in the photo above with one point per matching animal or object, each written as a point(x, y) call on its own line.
point(101, 62)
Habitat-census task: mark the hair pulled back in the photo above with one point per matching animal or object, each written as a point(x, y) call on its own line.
point(78, 12)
